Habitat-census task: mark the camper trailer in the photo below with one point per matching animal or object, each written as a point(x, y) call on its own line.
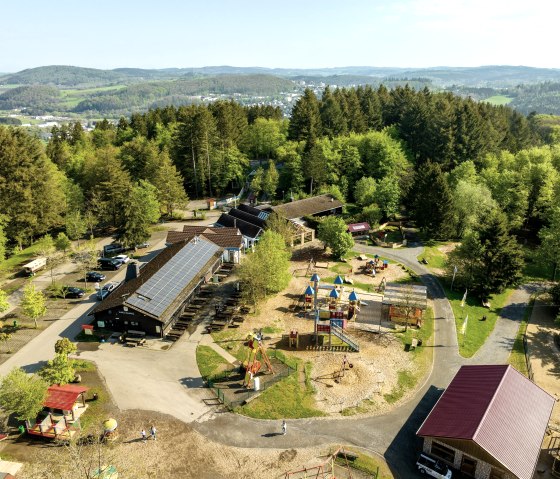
point(31, 268)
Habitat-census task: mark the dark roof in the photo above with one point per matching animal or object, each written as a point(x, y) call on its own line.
point(308, 206)
point(63, 397)
point(248, 217)
point(357, 227)
point(498, 409)
point(196, 230)
point(254, 211)
point(247, 229)
point(224, 237)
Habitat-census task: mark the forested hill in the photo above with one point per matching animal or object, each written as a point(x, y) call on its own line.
point(65, 76)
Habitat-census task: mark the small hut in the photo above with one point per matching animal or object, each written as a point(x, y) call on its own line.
point(404, 303)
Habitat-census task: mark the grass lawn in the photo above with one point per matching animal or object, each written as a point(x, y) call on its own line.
point(209, 362)
point(477, 330)
point(517, 355)
point(436, 259)
point(233, 342)
point(287, 398)
point(367, 463)
point(12, 264)
point(499, 100)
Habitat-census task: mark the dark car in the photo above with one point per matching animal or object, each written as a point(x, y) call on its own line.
point(109, 263)
point(95, 277)
point(71, 292)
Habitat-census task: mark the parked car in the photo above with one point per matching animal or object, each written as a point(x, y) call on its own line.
point(433, 467)
point(109, 263)
point(112, 249)
point(107, 289)
point(70, 292)
point(122, 257)
point(142, 245)
point(95, 277)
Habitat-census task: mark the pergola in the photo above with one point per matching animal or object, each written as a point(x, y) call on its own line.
point(404, 303)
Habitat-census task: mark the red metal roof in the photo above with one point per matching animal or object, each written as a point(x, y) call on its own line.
point(63, 397)
point(357, 227)
point(497, 408)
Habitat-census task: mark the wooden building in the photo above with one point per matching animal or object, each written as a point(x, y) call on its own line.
point(230, 239)
point(489, 423)
point(154, 296)
point(404, 303)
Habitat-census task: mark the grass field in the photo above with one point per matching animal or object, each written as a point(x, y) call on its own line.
point(436, 259)
point(13, 263)
point(517, 355)
point(367, 463)
point(499, 100)
point(209, 362)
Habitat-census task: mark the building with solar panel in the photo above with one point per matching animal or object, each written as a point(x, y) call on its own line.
point(230, 239)
point(156, 295)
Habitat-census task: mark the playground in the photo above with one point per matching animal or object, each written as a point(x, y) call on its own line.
point(352, 367)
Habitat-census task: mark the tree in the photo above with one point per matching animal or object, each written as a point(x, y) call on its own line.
point(364, 191)
point(141, 210)
point(76, 225)
point(280, 225)
point(305, 123)
point(264, 138)
point(58, 370)
point(169, 184)
point(4, 304)
point(549, 251)
point(471, 203)
point(86, 257)
point(388, 195)
point(266, 270)
point(257, 183)
point(4, 337)
point(432, 202)
point(22, 394)
point(33, 303)
point(3, 237)
point(270, 180)
point(489, 259)
point(371, 214)
point(333, 232)
point(65, 347)
point(62, 243)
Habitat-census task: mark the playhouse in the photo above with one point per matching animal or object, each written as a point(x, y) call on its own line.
point(404, 303)
point(60, 416)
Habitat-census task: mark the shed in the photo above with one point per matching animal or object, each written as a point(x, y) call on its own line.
point(489, 423)
point(357, 229)
point(404, 303)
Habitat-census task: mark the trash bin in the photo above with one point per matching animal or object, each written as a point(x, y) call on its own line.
point(257, 384)
point(21, 428)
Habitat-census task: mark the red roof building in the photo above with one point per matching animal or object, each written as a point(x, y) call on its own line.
point(358, 228)
point(63, 397)
point(489, 423)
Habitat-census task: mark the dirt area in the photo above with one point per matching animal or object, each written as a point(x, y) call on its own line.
point(374, 369)
point(178, 452)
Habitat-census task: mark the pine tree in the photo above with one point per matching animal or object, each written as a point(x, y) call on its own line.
point(305, 123)
point(169, 185)
point(333, 124)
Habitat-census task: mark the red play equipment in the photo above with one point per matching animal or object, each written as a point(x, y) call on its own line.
point(253, 364)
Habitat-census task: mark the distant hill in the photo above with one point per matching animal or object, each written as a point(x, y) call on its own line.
point(64, 76)
point(38, 98)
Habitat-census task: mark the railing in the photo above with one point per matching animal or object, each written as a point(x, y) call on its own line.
point(241, 398)
point(339, 333)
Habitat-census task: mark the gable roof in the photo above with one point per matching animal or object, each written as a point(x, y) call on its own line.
point(63, 397)
point(498, 409)
point(356, 227)
point(119, 297)
point(247, 229)
point(307, 206)
point(248, 217)
point(262, 214)
point(223, 237)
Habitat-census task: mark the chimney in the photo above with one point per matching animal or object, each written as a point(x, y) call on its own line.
point(132, 271)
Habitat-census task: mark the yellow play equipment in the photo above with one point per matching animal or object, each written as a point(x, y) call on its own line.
point(252, 364)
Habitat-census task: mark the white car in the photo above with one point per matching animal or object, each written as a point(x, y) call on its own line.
point(122, 257)
point(433, 467)
point(106, 290)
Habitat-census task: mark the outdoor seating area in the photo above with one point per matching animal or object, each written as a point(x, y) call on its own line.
point(133, 338)
point(229, 313)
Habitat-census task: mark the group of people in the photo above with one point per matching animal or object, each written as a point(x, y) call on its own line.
point(152, 433)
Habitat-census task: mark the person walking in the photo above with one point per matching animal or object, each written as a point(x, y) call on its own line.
point(143, 434)
point(284, 427)
point(153, 432)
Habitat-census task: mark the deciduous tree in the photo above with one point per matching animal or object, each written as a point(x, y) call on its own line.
point(33, 303)
point(22, 394)
point(333, 232)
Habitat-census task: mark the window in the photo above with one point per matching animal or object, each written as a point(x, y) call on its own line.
point(468, 465)
point(158, 329)
point(134, 323)
point(497, 474)
point(100, 324)
point(443, 452)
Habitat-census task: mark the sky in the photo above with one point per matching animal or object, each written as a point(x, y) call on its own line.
point(283, 33)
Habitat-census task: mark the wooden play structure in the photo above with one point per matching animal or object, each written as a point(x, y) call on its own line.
point(404, 303)
point(61, 412)
point(375, 265)
point(256, 357)
point(337, 465)
point(330, 321)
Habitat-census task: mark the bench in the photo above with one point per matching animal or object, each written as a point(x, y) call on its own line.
point(133, 342)
point(349, 456)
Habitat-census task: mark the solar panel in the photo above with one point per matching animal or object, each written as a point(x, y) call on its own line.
point(263, 215)
point(158, 292)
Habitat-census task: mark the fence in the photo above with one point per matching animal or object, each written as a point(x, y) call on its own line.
point(212, 382)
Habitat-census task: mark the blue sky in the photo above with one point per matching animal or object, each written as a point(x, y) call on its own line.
point(288, 33)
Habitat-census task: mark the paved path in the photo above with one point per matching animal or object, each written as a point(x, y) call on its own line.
point(170, 382)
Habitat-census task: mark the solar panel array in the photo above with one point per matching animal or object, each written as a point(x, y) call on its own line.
point(263, 215)
point(405, 295)
point(158, 292)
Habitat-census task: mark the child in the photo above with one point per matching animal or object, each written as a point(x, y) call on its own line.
point(143, 434)
point(153, 432)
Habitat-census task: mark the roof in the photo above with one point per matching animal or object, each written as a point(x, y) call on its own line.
point(63, 397)
point(308, 206)
point(357, 227)
point(223, 237)
point(498, 409)
point(248, 217)
point(405, 295)
point(159, 292)
point(247, 229)
point(254, 211)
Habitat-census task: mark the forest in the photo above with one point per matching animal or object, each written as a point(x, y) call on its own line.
point(462, 170)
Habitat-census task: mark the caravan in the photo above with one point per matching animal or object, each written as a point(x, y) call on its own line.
point(31, 268)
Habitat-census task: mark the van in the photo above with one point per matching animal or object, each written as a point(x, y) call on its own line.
point(32, 267)
point(109, 263)
point(112, 249)
point(433, 467)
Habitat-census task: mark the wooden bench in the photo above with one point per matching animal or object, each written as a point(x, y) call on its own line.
point(133, 342)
